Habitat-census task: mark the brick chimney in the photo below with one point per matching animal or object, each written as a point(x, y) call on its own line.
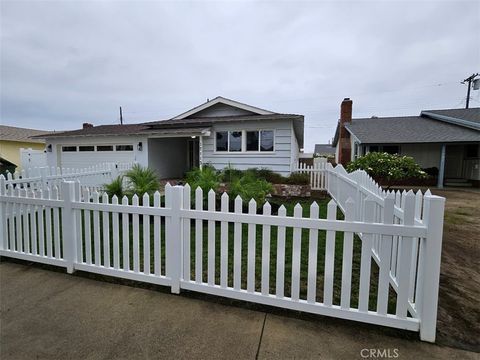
point(344, 143)
point(87, 125)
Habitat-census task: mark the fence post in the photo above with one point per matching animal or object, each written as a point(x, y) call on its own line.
point(173, 258)
point(43, 175)
point(3, 216)
point(430, 257)
point(69, 225)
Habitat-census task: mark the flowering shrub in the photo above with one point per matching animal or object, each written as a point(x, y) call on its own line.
point(390, 167)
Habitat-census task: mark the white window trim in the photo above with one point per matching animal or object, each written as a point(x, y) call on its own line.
point(77, 147)
point(244, 143)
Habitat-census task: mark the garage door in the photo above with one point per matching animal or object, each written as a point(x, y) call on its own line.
point(83, 156)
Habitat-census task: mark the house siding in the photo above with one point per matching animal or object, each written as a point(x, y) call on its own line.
point(280, 160)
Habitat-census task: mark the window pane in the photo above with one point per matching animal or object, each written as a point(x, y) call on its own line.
point(391, 149)
point(222, 141)
point(373, 148)
point(124, 147)
point(235, 141)
point(86, 148)
point(105, 148)
point(252, 140)
point(69, 148)
point(266, 140)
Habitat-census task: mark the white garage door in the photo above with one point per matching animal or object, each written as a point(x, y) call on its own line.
point(83, 156)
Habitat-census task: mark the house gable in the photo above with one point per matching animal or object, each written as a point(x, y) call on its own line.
point(221, 106)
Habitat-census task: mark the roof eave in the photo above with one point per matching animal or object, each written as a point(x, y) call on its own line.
point(451, 120)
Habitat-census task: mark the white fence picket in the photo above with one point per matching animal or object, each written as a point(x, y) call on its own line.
point(211, 241)
point(312, 257)
point(252, 232)
point(329, 256)
point(281, 231)
point(237, 247)
point(199, 237)
point(296, 252)
point(265, 278)
point(224, 243)
point(146, 236)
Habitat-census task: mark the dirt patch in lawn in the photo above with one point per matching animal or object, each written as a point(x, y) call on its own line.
point(459, 310)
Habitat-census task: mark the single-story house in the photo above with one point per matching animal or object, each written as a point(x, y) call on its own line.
point(448, 140)
point(219, 132)
point(12, 139)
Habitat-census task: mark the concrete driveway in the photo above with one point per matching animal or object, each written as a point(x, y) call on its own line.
point(52, 315)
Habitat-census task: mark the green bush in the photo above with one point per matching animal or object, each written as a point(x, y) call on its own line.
point(230, 174)
point(141, 180)
point(115, 188)
point(298, 179)
point(390, 167)
point(251, 187)
point(268, 175)
point(207, 178)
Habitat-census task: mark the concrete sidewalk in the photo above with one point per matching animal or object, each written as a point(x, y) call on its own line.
point(53, 315)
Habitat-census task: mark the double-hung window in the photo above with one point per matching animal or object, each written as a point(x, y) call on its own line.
point(245, 141)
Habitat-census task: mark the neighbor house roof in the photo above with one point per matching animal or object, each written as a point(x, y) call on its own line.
point(463, 117)
point(408, 129)
point(324, 149)
point(432, 126)
point(12, 133)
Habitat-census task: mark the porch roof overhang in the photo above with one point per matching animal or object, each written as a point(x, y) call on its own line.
point(179, 132)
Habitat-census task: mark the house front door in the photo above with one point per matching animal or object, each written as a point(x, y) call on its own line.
point(192, 153)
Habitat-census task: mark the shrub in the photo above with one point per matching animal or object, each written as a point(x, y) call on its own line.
point(207, 178)
point(390, 167)
point(230, 174)
point(141, 180)
point(115, 188)
point(266, 174)
point(251, 187)
point(298, 179)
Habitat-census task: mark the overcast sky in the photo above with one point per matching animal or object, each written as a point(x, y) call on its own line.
point(64, 63)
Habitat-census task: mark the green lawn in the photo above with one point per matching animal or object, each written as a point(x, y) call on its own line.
point(273, 255)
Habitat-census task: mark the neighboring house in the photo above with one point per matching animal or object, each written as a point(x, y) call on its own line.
point(12, 139)
point(219, 132)
point(324, 150)
point(448, 140)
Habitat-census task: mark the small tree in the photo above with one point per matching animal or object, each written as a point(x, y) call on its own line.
point(389, 167)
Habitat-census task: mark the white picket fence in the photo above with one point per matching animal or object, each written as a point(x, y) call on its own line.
point(177, 242)
point(93, 177)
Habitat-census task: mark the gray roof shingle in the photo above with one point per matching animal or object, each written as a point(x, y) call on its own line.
point(12, 133)
point(324, 149)
point(409, 129)
point(472, 114)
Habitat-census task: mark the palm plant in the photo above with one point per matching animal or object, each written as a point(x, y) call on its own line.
point(115, 187)
point(141, 180)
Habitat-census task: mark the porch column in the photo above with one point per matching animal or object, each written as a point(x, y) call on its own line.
point(200, 151)
point(441, 169)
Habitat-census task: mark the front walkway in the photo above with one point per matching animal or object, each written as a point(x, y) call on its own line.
point(48, 314)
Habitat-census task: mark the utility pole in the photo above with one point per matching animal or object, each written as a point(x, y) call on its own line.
point(121, 116)
point(469, 81)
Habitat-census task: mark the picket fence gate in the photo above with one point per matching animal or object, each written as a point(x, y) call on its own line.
point(174, 241)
